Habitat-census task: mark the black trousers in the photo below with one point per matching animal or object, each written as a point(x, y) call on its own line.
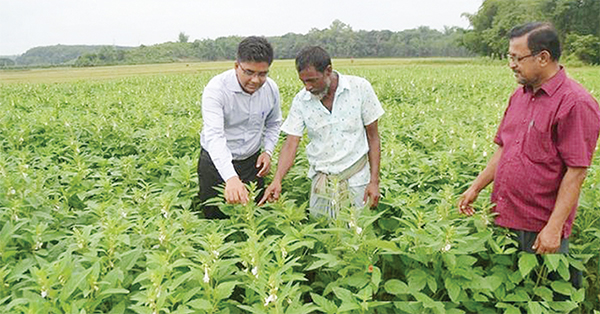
point(209, 178)
point(526, 240)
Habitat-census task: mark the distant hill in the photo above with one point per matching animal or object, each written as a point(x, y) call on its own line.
point(340, 40)
point(58, 54)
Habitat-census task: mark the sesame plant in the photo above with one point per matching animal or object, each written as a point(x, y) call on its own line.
point(98, 208)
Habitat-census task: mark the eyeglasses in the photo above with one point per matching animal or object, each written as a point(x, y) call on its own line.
point(516, 59)
point(261, 75)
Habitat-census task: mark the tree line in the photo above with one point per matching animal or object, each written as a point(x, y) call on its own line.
point(577, 22)
point(339, 39)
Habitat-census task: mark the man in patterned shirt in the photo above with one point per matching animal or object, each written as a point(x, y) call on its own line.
point(339, 113)
point(545, 144)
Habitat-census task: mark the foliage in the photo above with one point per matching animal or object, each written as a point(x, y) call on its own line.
point(575, 20)
point(97, 211)
point(339, 39)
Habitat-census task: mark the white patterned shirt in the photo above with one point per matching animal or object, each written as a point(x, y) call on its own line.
point(235, 123)
point(338, 138)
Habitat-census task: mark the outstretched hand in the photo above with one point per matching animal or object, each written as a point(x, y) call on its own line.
point(264, 164)
point(272, 193)
point(465, 201)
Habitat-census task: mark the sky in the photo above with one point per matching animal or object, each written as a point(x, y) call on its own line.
point(26, 24)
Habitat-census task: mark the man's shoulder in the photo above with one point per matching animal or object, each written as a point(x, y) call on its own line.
point(575, 91)
point(221, 80)
point(354, 82)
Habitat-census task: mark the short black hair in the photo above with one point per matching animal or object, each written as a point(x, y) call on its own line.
point(315, 56)
point(255, 49)
point(542, 36)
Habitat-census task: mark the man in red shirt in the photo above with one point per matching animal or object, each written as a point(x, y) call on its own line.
point(545, 144)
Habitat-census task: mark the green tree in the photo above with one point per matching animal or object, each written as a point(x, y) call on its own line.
point(183, 38)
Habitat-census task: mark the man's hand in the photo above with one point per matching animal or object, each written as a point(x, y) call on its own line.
point(372, 194)
point(264, 163)
point(465, 201)
point(548, 240)
point(271, 193)
point(235, 191)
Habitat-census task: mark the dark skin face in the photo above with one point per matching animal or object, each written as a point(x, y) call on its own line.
point(251, 75)
point(315, 82)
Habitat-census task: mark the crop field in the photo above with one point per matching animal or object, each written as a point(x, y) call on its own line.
point(98, 211)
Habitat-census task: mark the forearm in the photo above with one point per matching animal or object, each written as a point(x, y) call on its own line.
point(374, 153)
point(568, 195)
point(286, 157)
point(487, 175)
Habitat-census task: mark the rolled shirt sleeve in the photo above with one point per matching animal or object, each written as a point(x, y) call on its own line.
point(294, 123)
point(371, 107)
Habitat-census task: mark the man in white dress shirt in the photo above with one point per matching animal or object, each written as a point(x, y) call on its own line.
point(241, 114)
point(340, 114)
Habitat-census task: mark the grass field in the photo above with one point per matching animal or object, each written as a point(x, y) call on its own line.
point(97, 212)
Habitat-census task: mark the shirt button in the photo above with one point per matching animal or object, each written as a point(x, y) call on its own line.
point(518, 141)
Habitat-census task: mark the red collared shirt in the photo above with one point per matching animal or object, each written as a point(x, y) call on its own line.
point(542, 134)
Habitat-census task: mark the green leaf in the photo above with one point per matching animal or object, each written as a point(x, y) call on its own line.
point(417, 279)
point(376, 278)
point(395, 287)
point(325, 305)
point(552, 261)
point(453, 288)
point(200, 304)
point(115, 291)
point(579, 295)
point(119, 308)
point(534, 307)
point(511, 309)
point(129, 259)
point(74, 281)
point(563, 270)
point(225, 289)
point(562, 287)
point(365, 294)
point(526, 263)
point(343, 294)
point(358, 280)
point(544, 293)
point(432, 284)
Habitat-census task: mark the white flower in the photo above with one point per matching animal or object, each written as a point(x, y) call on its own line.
point(270, 298)
point(283, 253)
point(162, 237)
point(484, 154)
point(206, 278)
point(255, 271)
point(44, 293)
point(447, 247)
point(358, 230)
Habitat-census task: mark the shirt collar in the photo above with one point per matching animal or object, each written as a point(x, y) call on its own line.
point(552, 85)
point(232, 83)
point(342, 85)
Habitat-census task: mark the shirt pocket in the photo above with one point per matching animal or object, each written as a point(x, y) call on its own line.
point(256, 120)
point(538, 146)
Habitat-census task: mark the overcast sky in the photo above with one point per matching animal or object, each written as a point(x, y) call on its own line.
point(25, 24)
